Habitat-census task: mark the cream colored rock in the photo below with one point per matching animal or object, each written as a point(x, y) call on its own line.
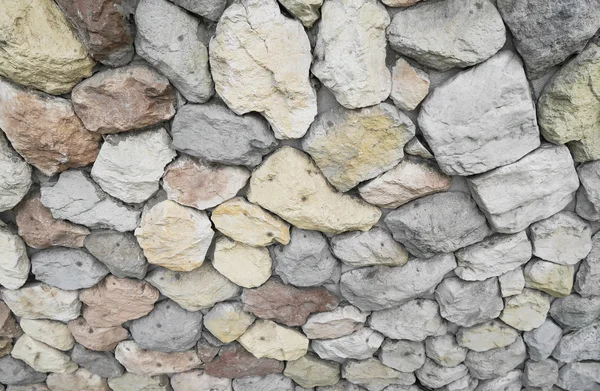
point(41, 301)
point(228, 321)
point(409, 85)
point(556, 280)
point(485, 336)
point(310, 371)
point(307, 11)
point(132, 382)
point(243, 265)
point(526, 311)
point(174, 236)
point(14, 262)
point(39, 47)
point(268, 339)
point(5, 346)
point(52, 333)
point(265, 68)
point(80, 380)
point(416, 148)
point(334, 324)
point(289, 184)
point(249, 224)
point(151, 363)
point(42, 357)
point(373, 375)
point(15, 176)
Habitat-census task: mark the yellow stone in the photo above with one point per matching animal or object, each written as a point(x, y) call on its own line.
point(266, 338)
point(526, 311)
point(554, 279)
point(228, 321)
point(42, 357)
point(243, 265)
point(52, 333)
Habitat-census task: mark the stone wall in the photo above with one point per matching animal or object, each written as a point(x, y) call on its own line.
point(348, 195)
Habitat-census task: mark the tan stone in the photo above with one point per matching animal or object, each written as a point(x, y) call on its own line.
point(242, 264)
point(5, 346)
point(227, 321)
point(52, 333)
point(41, 301)
point(268, 339)
point(8, 325)
point(39, 229)
point(116, 300)
point(39, 48)
point(250, 224)
point(42, 357)
point(289, 184)
point(80, 380)
point(199, 381)
point(151, 363)
point(30, 387)
point(310, 371)
point(525, 311)
point(551, 278)
point(132, 382)
point(101, 339)
point(201, 185)
point(485, 336)
point(174, 237)
point(45, 130)
point(373, 375)
point(409, 85)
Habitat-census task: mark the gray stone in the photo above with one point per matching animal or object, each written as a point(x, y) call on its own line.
point(167, 37)
point(465, 383)
point(550, 35)
point(342, 385)
point(574, 311)
point(359, 345)
point(580, 376)
point(120, 252)
point(435, 376)
point(213, 132)
point(563, 238)
point(588, 195)
point(404, 356)
point(540, 373)
point(446, 34)
point(414, 320)
point(342, 321)
point(209, 9)
point(16, 372)
point(75, 197)
point(15, 176)
point(364, 287)
point(306, 260)
point(485, 336)
point(445, 351)
point(14, 263)
point(512, 381)
point(103, 364)
point(496, 362)
point(512, 282)
point(468, 303)
point(587, 281)
point(373, 375)
point(500, 126)
point(272, 382)
point(580, 345)
point(168, 328)
point(534, 188)
point(542, 340)
point(493, 256)
point(67, 268)
point(427, 226)
point(551, 278)
point(527, 310)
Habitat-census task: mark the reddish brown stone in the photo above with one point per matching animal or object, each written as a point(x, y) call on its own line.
point(8, 326)
point(101, 339)
point(234, 362)
point(287, 304)
point(39, 229)
point(103, 27)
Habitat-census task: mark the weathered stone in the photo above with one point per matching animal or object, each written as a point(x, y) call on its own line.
point(414, 320)
point(67, 268)
point(195, 290)
point(268, 339)
point(512, 381)
point(206, 350)
point(8, 326)
point(6, 346)
point(120, 252)
point(52, 333)
point(244, 70)
point(359, 345)
point(174, 236)
point(167, 37)
point(30, 387)
point(227, 321)
point(540, 373)
point(102, 339)
point(75, 197)
point(574, 311)
point(16, 372)
point(199, 381)
point(117, 300)
point(580, 345)
point(14, 263)
point(41, 50)
point(459, 33)
point(588, 195)
point(234, 362)
point(542, 340)
point(192, 182)
point(587, 282)
point(427, 226)
point(556, 280)
point(267, 383)
point(409, 85)
point(436, 376)
point(41, 301)
point(80, 380)
point(563, 238)
point(404, 356)
point(42, 357)
point(344, 385)
point(363, 287)
point(306, 11)
point(287, 304)
point(289, 184)
point(496, 362)
point(132, 382)
point(334, 324)
point(445, 351)
point(373, 375)
point(465, 383)
point(151, 363)
point(309, 371)
point(512, 196)
point(580, 376)
point(102, 364)
point(44, 129)
point(486, 336)
point(411, 179)
point(244, 265)
point(512, 282)
point(526, 311)
point(416, 147)
point(15, 176)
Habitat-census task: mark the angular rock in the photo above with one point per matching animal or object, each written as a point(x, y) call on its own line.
point(427, 226)
point(588, 195)
point(526, 311)
point(174, 237)
point(404, 356)
point(120, 252)
point(42, 357)
point(41, 50)
point(151, 363)
point(167, 37)
point(245, 69)
point(415, 147)
point(512, 282)
point(41, 301)
point(512, 196)
point(563, 238)
point(197, 380)
point(373, 375)
point(267, 383)
point(195, 290)
point(268, 339)
point(540, 373)
point(15, 176)
point(496, 362)
point(435, 376)
point(500, 127)
point(414, 321)
point(14, 263)
point(206, 350)
point(574, 311)
point(132, 382)
point(409, 85)
point(8, 326)
point(445, 351)
point(67, 268)
point(290, 185)
point(334, 324)
point(542, 340)
point(551, 278)
point(117, 300)
point(286, 304)
point(244, 265)
point(80, 380)
point(209, 9)
point(102, 364)
point(580, 376)
point(307, 11)
point(411, 179)
point(512, 381)
point(580, 345)
point(75, 197)
point(459, 33)
point(6, 345)
point(16, 372)
point(587, 282)
point(44, 129)
point(52, 333)
point(235, 362)
point(359, 345)
point(309, 371)
point(228, 321)
point(101, 339)
point(485, 336)
point(363, 287)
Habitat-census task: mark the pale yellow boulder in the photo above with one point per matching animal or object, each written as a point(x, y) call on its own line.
point(310, 371)
point(485, 336)
point(268, 339)
point(227, 321)
point(42, 357)
point(243, 265)
point(52, 333)
point(526, 311)
point(554, 279)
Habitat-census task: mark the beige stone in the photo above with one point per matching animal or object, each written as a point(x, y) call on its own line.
point(525, 311)
point(39, 47)
point(306, 11)
point(80, 380)
point(249, 224)
point(268, 339)
point(554, 279)
point(242, 264)
point(409, 85)
point(174, 237)
point(151, 363)
point(227, 321)
point(416, 148)
point(5, 346)
point(15, 176)
point(199, 381)
point(8, 326)
point(101, 339)
point(14, 262)
point(41, 301)
point(201, 185)
point(132, 382)
point(485, 336)
point(310, 371)
point(289, 184)
point(42, 357)
point(52, 333)
point(334, 324)
point(373, 375)
point(30, 387)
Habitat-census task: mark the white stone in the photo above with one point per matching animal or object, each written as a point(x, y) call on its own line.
point(307, 11)
point(414, 321)
point(445, 351)
point(359, 345)
point(409, 85)
point(485, 336)
point(14, 262)
point(41, 301)
point(244, 265)
point(403, 355)
point(15, 176)
point(512, 282)
point(564, 238)
point(334, 324)
point(554, 279)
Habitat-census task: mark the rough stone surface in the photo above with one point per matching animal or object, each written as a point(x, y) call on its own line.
point(485, 336)
point(579, 346)
point(242, 264)
point(563, 238)
point(41, 301)
point(42, 357)
point(359, 345)
point(373, 375)
point(82, 380)
point(445, 351)
point(334, 324)
point(410, 85)
point(588, 195)
point(267, 383)
point(101, 339)
point(199, 381)
point(14, 263)
point(102, 364)
point(268, 339)
point(540, 373)
point(542, 340)
point(526, 311)
point(496, 362)
point(133, 382)
point(52, 333)
point(146, 362)
point(512, 282)
point(574, 311)
point(9, 328)
point(556, 280)
point(414, 321)
point(587, 281)
point(67, 268)
point(309, 371)
point(404, 356)
point(209, 9)
point(15, 176)
point(433, 375)
point(235, 362)
point(16, 372)
point(120, 252)
point(307, 11)
point(580, 376)
point(228, 321)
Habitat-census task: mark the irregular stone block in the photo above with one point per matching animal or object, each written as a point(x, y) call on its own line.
point(101, 339)
point(433, 375)
point(404, 356)
point(81, 380)
point(587, 282)
point(52, 333)
point(334, 324)
point(373, 375)
point(41, 301)
point(307, 11)
point(199, 381)
point(132, 382)
point(120, 252)
point(15, 176)
point(8, 325)
point(414, 321)
point(542, 340)
point(151, 363)
point(556, 280)
point(266, 383)
point(579, 346)
point(209, 9)
point(228, 321)
point(268, 339)
point(67, 268)
point(235, 362)
point(526, 311)
point(103, 364)
point(563, 238)
point(309, 371)
point(359, 345)
point(574, 311)
point(512, 282)
point(244, 265)
point(14, 263)
point(16, 372)
point(445, 351)
point(42, 357)
point(580, 376)
point(410, 85)
point(540, 374)
point(485, 336)
point(496, 362)
point(588, 195)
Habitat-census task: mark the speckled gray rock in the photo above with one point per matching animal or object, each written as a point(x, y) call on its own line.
point(574, 311)
point(359, 345)
point(67, 268)
point(587, 281)
point(588, 195)
point(209, 9)
point(427, 226)
point(512, 381)
point(168, 328)
point(580, 376)
point(542, 340)
point(435, 376)
point(580, 345)
point(103, 364)
point(120, 252)
point(540, 373)
point(272, 382)
point(306, 260)
point(465, 383)
point(414, 320)
point(215, 133)
point(564, 238)
point(15, 176)
point(404, 356)
point(496, 362)
point(468, 303)
point(16, 372)
point(445, 351)
point(363, 287)
point(512, 282)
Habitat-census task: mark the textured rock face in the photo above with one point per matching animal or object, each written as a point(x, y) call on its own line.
point(512, 282)
point(198, 380)
point(41, 301)
point(542, 340)
point(133, 382)
point(579, 376)
point(404, 356)
point(579, 346)
point(52, 333)
point(459, 33)
point(267, 383)
point(359, 345)
point(15, 264)
point(526, 311)
point(68, 269)
point(486, 336)
point(563, 238)
point(101, 364)
point(555, 280)
point(574, 311)
point(496, 362)
point(268, 339)
point(269, 47)
point(350, 52)
point(334, 324)
point(15, 176)
point(235, 362)
point(588, 195)
point(228, 321)
point(145, 362)
point(409, 85)
point(307, 11)
point(413, 321)
point(8, 326)
point(81, 379)
point(101, 339)
point(120, 252)
point(373, 375)
point(16, 372)
point(42, 357)
point(309, 371)
point(587, 282)
point(244, 265)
